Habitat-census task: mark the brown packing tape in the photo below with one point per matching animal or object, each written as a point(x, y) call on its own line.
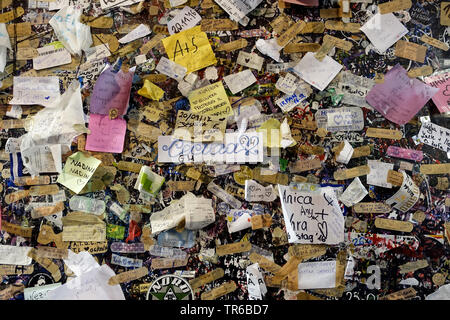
point(153, 42)
point(130, 47)
point(101, 22)
point(301, 47)
point(384, 133)
point(129, 166)
point(307, 251)
point(181, 185)
point(334, 13)
point(413, 266)
point(5, 3)
point(261, 221)
point(26, 54)
point(420, 72)
point(6, 270)
point(445, 14)
point(29, 181)
point(11, 123)
point(278, 178)
point(168, 263)
point(351, 173)
point(19, 29)
point(434, 42)
point(341, 26)
point(207, 278)
point(404, 294)
point(396, 225)
point(292, 280)
point(313, 150)
point(305, 165)
point(11, 291)
point(307, 296)
point(222, 290)
point(338, 43)
point(40, 212)
point(16, 229)
point(10, 15)
point(441, 168)
point(392, 6)
point(46, 263)
point(363, 151)
point(232, 248)
point(92, 247)
point(52, 253)
point(341, 264)
point(44, 190)
point(290, 33)
point(410, 50)
point(281, 23)
point(264, 263)
point(46, 235)
point(371, 207)
point(232, 45)
point(128, 276)
point(287, 268)
point(218, 25)
point(156, 78)
point(16, 196)
point(395, 178)
point(103, 38)
point(313, 27)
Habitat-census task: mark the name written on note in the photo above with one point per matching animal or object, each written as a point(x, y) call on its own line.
point(312, 216)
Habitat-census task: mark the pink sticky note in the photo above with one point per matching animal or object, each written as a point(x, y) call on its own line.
point(308, 3)
point(399, 97)
point(112, 91)
point(106, 135)
point(442, 98)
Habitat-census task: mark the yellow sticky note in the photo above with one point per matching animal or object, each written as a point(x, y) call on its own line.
point(190, 48)
point(151, 91)
point(211, 100)
point(271, 133)
point(77, 171)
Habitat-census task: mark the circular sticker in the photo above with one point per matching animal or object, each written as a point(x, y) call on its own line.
point(6, 173)
point(170, 287)
point(40, 279)
point(438, 279)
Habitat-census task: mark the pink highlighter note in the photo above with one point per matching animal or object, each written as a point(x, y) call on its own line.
point(399, 97)
point(442, 98)
point(106, 135)
point(112, 91)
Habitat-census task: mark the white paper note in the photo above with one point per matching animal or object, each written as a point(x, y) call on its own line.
point(140, 31)
point(185, 19)
point(239, 81)
point(35, 90)
point(317, 73)
point(255, 192)
point(317, 275)
point(14, 255)
point(383, 30)
point(354, 193)
point(171, 69)
point(378, 173)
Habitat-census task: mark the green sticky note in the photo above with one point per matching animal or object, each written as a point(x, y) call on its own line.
point(115, 232)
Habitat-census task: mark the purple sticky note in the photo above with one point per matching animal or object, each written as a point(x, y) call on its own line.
point(442, 82)
point(106, 135)
point(399, 97)
point(112, 91)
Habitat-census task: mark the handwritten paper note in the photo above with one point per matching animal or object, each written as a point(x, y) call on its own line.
point(35, 90)
point(399, 97)
point(435, 136)
point(237, 148)
point(442, 98)
point(207, 128)
point(190, 48)
point(14, 255)
point(237, 82)
point(312, 217)
point(406, 197)
point(140, 31)
point(317, 73)
point(171, 69)
point(317, 275)
point(77, 171)
point(255, 192)
point(238, 9)
point(185, 19)
point(106, 135)
point(112, 91)
point(211, 100)
point(51, 55)
point(383, 30)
